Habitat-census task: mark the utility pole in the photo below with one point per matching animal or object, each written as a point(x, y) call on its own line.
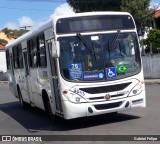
point(25, 27)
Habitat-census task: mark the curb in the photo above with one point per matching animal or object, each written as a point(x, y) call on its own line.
point(4, 82)
point(152, 82)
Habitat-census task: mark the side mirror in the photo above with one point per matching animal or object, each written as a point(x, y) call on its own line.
point(140, 32)
point(55, 49)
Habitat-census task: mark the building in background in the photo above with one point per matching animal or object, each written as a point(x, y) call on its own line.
point(157, 19)
point(3, 68)
point(2, 59)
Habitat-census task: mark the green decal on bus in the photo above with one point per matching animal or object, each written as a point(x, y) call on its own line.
point(122, 68)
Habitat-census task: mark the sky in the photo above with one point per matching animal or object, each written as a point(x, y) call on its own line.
point(18, 13)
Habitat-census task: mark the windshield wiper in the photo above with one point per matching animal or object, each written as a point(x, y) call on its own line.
point(90, 47)
point(114, 40)
point(85, 42)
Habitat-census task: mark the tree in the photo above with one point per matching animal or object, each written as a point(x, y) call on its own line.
point(138, 8)
point(94, 5)
point(154, 40)
point(140, 11)
point(3, 42)
point(14, 33)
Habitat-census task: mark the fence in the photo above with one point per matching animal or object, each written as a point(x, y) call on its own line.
point(151, 66)
point(3, 76)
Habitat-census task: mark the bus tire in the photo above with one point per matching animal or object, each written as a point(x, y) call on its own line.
point(48, 108)
point(23, 104)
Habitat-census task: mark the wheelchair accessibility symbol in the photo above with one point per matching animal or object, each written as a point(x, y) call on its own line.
point(111, 73)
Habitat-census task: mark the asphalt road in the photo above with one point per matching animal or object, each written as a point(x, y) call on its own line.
point(143, 121)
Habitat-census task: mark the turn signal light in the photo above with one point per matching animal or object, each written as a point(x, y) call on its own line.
point(65, 92)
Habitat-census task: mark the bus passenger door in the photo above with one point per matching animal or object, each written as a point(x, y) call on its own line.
point(54, 81)
point(27, 77)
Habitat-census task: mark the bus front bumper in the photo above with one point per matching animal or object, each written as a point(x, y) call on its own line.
point(72, 110)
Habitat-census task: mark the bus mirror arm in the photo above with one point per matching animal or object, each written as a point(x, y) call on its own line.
point(55, 49)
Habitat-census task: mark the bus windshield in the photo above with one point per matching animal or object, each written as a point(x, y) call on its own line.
point(92, 58)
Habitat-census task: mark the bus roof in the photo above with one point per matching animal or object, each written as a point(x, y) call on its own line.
point(34, 31)
point(49, 24)
point(93, 13)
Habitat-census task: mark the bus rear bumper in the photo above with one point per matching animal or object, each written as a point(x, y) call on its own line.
point(72, 110)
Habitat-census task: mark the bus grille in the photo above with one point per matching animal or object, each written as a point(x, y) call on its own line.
point(102, 97)
point(105, 89)
point(107, 106)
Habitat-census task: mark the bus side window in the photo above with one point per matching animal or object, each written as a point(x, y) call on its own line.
point(20, 58)
point(32, 46)
point(28, 52)
point(42, 61)
point(15, 57)
point(8, 59)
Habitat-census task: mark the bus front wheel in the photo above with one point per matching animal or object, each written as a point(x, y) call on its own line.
point(48, 108)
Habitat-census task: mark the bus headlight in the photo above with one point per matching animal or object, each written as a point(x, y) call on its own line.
point(72, 97)
point(137, 89)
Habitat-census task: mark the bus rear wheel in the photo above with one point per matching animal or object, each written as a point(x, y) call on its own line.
point(23, 104)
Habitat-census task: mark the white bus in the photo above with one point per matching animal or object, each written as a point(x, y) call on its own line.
point(81, 65)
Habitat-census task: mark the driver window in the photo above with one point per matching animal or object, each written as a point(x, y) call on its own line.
point(66, 55)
